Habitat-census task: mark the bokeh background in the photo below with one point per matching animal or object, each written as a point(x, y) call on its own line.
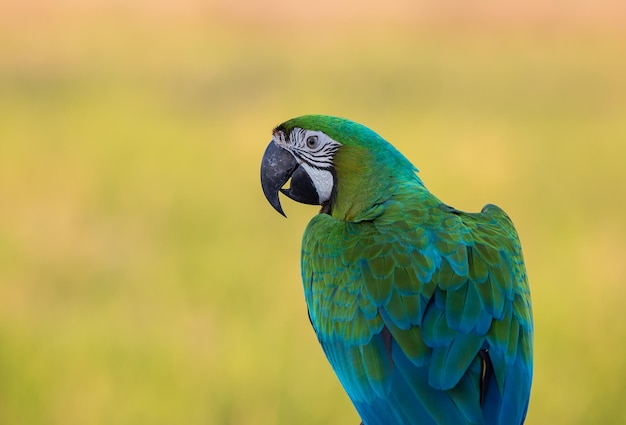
point(145, 280)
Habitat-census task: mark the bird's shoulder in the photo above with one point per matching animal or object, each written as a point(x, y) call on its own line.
point(412, 246)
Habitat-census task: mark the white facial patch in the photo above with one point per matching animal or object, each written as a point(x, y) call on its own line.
point(322, 180)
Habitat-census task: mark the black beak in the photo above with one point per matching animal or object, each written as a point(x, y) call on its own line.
point(302, 188)
point(277, 166)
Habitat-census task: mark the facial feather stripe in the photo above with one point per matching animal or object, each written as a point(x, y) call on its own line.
point(319, 156)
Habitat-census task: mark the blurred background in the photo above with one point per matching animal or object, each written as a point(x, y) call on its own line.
point(144, 279)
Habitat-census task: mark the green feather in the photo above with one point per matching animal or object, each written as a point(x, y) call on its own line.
point(405, 280)
point(447, 278)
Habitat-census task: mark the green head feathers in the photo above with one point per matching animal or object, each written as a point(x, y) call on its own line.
point(334, 162)
point(353, 135)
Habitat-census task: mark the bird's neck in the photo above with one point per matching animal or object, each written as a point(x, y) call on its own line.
point(362, 195)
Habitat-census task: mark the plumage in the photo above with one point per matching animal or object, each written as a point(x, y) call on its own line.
point(423, 311)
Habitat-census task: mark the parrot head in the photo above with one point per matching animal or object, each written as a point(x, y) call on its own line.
point(333, 162)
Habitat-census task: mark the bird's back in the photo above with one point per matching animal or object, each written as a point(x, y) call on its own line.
point(423, 311)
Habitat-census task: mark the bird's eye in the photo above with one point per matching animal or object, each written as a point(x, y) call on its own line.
point(311, 142)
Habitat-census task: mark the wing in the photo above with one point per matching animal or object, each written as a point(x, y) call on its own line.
point(423, 312)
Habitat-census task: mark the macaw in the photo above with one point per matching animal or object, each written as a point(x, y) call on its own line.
point(422, 310)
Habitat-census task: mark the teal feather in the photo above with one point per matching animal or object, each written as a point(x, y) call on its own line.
point(451, 361)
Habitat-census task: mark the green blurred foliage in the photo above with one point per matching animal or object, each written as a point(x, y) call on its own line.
point(143, 277)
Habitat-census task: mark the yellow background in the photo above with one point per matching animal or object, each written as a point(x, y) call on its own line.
point(144, 279)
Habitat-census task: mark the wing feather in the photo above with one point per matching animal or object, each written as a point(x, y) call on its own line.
point(407, 301)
